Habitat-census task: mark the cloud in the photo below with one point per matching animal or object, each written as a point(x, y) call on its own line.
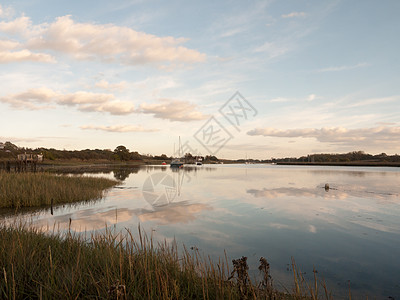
point(181, 212)
point(44, 98)
point(274, 49)
point(118, 128)
point(7, 53)
point(173, 110)
point(311, 97)
point(232, 32)
point(25, 55)
point(343, 68)
point(18, 26)
point(105, 42)
point(383, 136)
point(279, 100)
point(303, 192)
point(103, 84)
point(5, 12)
point(372, 102)
point(31, 99)
point(294, 14)
point(13, 51)
point(16, 140)
point(7, 45)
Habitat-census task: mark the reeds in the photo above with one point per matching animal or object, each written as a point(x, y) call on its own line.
point(19, 190)
point(114, 265)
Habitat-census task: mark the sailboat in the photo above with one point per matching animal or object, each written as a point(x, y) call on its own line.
point(177, 163)
point(199, 161)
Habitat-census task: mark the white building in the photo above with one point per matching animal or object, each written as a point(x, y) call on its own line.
point(2, 145)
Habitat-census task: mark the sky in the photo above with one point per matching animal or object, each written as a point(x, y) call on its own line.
point(234, 79)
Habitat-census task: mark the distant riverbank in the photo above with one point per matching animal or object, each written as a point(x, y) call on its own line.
point(349, 164)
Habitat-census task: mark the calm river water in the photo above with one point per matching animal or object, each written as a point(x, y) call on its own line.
point(349, 233)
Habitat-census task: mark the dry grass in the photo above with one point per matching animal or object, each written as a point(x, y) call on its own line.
point(19, 190)
point(120, 266)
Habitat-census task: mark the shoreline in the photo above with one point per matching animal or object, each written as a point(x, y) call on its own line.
point(342, 164)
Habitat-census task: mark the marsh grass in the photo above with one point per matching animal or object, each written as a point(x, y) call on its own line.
point(112, 265)
point(18, 190)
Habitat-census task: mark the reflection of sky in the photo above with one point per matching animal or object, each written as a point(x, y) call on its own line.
point(272, 211)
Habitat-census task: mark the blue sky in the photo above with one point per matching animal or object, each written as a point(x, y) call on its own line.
point(316, 76)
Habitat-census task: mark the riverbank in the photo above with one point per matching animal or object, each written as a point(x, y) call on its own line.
point(120, 266)
point(343, 164)
point(18, 190)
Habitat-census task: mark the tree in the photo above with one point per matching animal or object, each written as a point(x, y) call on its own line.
point(122, 153)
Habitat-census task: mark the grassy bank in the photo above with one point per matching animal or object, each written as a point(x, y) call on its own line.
point(19, 190)
point(119, 266)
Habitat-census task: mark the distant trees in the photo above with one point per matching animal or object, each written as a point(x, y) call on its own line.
point(162, 157)
point(121, 153)
point(211, 158)
point(353, 156)
point(9, 151)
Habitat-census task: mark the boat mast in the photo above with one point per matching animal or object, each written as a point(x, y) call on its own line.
point(179, 146)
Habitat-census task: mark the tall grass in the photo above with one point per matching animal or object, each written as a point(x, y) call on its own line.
point(120, 266)
point(19, 190)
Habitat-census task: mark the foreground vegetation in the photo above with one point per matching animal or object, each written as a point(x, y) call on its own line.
point(19, 190)
point(118, 266)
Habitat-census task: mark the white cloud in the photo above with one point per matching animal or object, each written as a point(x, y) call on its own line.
point(24, 55)
point(274, 49)
point(173, 110)
point(383, 136)
point(81, 98)
point(104, 84)
point(294, 14)
point(105, 42)
point(114, 107)
point(111, 43)
point(6, 12)
point(18, 26)
point(31, 99)
point(312, 97)
point(13, 51)
point(118, 128)
point(343, 68)
point(279, 100)
point(44, 98)
point(232, 32)
point(8, 45)
point(372, 102)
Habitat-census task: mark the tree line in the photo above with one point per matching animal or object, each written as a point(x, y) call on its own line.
point(354, 156)
point(121, 153)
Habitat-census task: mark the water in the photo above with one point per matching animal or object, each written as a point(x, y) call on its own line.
point(349, 233)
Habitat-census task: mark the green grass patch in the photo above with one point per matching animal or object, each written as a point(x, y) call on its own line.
point(18, 190)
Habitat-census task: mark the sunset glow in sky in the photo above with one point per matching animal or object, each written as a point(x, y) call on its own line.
point(316, 76)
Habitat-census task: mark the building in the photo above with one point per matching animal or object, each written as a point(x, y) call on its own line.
point(30, 157)
point(2, 145)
